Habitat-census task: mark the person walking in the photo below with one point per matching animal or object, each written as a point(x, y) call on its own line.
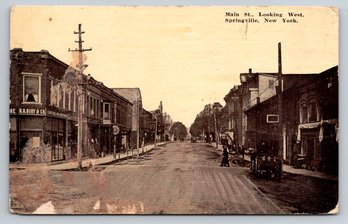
point(243, 151)
point(224, 161)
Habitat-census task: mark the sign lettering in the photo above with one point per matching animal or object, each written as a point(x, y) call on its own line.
point(28, 111)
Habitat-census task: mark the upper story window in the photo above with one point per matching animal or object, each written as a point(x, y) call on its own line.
point(309, 111)
point(91, 106)
point(304, 112)
point(106, 111)
point(31, 88)
point(312, 111)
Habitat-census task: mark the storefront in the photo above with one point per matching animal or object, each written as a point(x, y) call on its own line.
point(319, 142)
point(39, 135)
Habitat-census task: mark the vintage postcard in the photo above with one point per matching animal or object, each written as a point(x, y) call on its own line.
point(174, 110)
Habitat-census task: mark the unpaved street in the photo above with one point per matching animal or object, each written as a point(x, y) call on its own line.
point(179, 178)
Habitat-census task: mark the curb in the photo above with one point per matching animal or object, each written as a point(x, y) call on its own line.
point(85, 166)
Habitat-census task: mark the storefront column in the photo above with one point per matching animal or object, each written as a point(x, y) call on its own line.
point(66, 139)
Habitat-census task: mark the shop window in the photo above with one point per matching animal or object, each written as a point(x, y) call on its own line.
point(106, 111)
point(31, 88)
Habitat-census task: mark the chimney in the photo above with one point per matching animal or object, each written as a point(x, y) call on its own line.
point(250, 71)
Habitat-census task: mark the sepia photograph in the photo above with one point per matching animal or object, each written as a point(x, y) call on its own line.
point(174, 110)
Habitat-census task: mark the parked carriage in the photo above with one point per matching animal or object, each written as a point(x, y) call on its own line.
point(266, 163)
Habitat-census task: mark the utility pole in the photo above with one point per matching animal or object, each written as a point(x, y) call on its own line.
point(209, 124)
point(81, 94)
point(156, 131)
point(280, 111)
point(138, 121)
point(215, 127)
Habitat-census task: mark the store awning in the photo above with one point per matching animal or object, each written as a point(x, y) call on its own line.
point(316, 125)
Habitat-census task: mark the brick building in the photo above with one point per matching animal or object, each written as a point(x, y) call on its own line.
point(44, 105)
point(309, 120)
point(234, 116)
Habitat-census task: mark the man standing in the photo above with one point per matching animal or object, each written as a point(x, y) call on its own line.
point(224, 161)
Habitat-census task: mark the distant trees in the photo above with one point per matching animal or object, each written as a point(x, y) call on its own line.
point(198, 126)
point(204, 124)
point(179, 131)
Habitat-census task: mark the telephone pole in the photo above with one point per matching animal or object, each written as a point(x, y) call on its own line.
point(81, 88)
point(156, 131)
point(215, 130)
point(280, 100)
point(209, 123)
point(138, 126)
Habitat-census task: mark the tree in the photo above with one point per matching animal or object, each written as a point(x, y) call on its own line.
point(197, 127)
point(179, 131)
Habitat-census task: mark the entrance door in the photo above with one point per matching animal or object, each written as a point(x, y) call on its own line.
point(57, 146)
point(310, 147)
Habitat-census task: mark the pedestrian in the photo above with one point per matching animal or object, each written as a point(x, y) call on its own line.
point(239, 150)
point(224, 161)
point(224, 140)
point(243, 151)
point(253, 156)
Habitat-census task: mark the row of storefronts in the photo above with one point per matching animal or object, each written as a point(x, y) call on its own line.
point(44, 104)
point(298, 118)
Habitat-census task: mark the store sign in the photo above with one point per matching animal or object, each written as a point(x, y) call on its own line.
point(106, 121)
point(28, 111)
point(272, 118)
point(115, 129)
point(56, 114)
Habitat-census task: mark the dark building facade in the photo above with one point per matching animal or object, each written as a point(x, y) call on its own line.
point(147, 125)
point(133, 95)
point(317, 132)
point(44, 106)
point(309, 120)
point(234, 116)
point(257, 87)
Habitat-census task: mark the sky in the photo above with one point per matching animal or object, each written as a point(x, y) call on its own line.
point(185, 57)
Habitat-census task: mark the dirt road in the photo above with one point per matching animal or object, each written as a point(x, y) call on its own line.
point(179, 178)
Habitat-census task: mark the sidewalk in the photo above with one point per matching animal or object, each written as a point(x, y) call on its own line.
point(70, 165)
point(292, 170)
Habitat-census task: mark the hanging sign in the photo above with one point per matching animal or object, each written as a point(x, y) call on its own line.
point(115, 129)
